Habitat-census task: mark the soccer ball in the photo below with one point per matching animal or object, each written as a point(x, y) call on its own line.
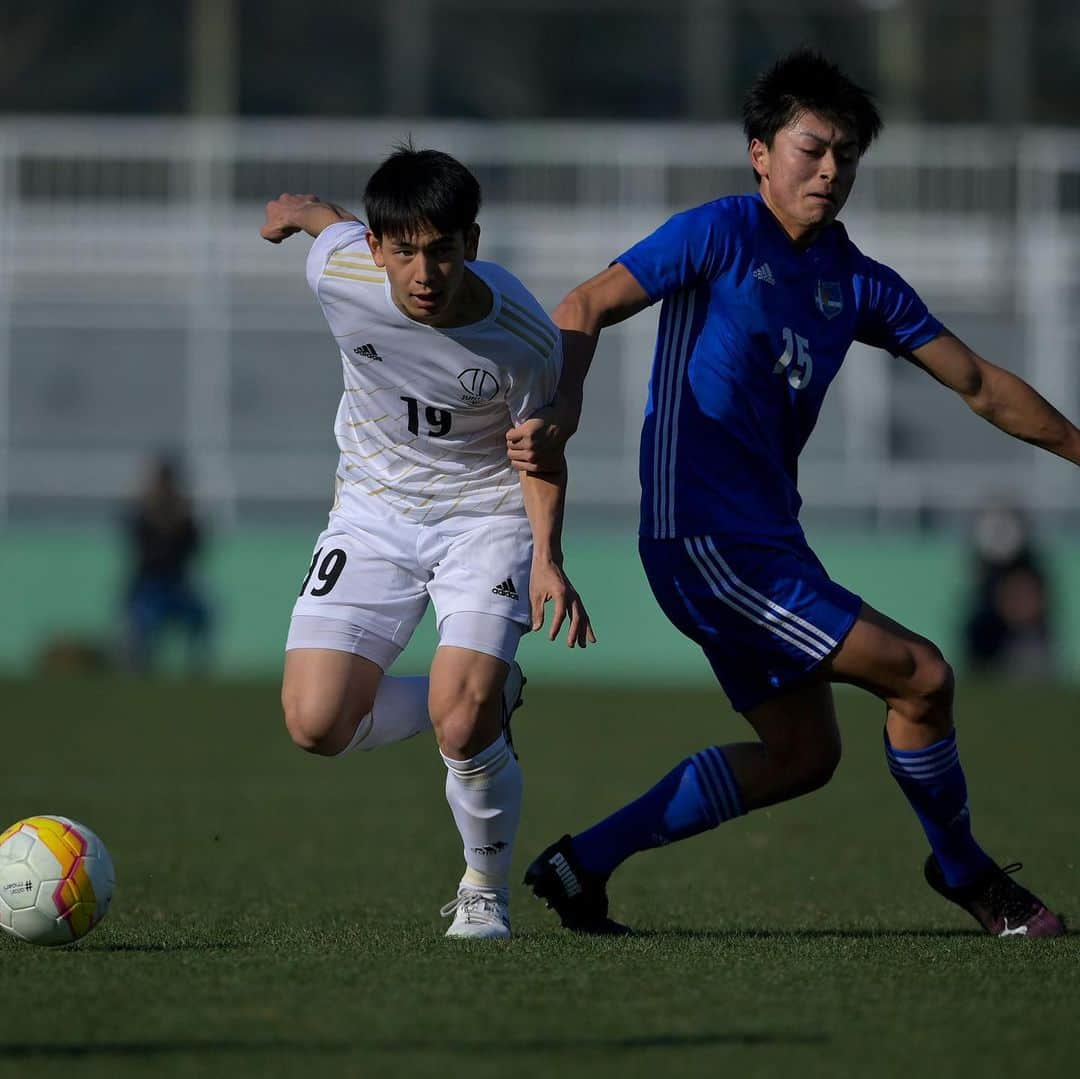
point(56, 880)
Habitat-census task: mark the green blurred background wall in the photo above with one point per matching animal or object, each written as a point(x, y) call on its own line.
point(63, 583)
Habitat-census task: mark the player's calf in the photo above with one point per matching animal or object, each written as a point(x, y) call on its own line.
point(337, 702)
point(799, 748)
point(483, 778)
point(317, 729)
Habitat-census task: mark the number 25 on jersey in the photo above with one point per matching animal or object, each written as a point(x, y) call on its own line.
point(796, 349)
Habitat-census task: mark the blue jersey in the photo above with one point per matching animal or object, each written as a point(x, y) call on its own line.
point(752, 331)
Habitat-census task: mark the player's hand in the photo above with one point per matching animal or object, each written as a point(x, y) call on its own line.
point(281, 216)
point(548, 582)
point(537, 445)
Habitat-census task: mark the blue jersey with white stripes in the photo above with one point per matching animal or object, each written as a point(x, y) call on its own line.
point(752, 332)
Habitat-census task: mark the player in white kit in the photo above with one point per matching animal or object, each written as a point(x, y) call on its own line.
point(442, 354)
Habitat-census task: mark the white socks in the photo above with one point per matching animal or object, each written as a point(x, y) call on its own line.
point(484, 793)
point(485, 797)
point(400, 711)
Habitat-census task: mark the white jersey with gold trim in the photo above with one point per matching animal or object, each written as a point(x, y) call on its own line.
point(422, 422)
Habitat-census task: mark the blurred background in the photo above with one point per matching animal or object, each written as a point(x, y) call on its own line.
point(167, 387)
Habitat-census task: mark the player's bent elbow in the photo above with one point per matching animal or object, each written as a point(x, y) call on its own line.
point(582, 311)
point(981, 403)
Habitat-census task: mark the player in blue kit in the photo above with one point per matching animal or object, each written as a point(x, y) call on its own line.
point(762, 297)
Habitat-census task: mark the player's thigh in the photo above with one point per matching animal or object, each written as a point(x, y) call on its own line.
point(481, 566)
point(324, 693)
point(892, 662)
point(465, 699)
point(359, 604)
point(363, 586)
point(764, 612)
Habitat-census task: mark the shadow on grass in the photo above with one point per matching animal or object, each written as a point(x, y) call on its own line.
point(732, 935)
point(75, 1051)
point(46, 1051)
point(177, 946)
point(577, 1044)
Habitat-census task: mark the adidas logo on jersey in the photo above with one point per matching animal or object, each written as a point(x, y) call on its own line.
point(368, 352)
point(763, 273)
point(506, 589)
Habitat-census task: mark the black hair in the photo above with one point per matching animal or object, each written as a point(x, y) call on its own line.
point(417, 189)
point(805, 80)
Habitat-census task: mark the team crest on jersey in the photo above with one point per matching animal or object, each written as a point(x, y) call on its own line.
point(479, 385)
point(829, 298)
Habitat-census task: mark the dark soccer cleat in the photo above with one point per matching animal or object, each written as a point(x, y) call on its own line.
point(578, 897)
point(1001, 906)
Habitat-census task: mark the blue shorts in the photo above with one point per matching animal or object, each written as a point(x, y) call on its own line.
point(764, 612)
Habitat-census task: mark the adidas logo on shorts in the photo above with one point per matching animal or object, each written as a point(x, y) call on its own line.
point(506, 589)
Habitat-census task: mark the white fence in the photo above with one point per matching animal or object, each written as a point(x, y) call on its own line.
point(139, 310)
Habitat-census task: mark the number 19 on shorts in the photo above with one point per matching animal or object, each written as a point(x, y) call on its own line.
point(327, 571)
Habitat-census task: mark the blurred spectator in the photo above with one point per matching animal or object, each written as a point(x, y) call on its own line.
point(164, 541)
point(1008, 629)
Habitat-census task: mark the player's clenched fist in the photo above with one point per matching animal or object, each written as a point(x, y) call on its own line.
point(280, 216)
point(288, 214)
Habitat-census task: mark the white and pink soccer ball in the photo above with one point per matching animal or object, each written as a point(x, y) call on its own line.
point(56, 880)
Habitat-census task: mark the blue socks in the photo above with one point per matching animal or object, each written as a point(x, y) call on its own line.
point(701, 793)
point(934, 784)
point(695, 796)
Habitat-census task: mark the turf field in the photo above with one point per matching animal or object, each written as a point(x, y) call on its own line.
point(276, 914)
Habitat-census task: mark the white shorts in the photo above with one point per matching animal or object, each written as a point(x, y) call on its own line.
point(369, 583)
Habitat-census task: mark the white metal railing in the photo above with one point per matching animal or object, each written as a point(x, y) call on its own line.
point(140, 311)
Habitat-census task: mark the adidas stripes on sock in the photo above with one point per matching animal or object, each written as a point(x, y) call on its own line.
point(934, 784)
point(697, 795)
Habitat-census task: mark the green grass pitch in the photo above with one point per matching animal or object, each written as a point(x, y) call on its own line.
point(277, 914)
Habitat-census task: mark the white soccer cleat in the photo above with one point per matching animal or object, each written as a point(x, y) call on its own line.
point(479, 913)
point(512, 699)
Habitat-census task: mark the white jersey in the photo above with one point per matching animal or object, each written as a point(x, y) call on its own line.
point(422, 422)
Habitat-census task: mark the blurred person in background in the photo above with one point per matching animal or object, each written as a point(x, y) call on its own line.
point(164, 539)
point(763, 296)
point(1008, 630)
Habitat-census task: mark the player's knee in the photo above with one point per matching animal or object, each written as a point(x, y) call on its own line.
point(311, 725)
point(930, 691)
point(461, 720)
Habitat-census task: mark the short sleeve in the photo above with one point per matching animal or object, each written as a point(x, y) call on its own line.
point(687, 248)
point(535, 386)
point(891, 315)
point(341, 236)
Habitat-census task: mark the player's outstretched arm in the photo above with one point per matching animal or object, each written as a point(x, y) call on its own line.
point(999, 396)
point(289, 214)
point(545, 501)
point(604, 300)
